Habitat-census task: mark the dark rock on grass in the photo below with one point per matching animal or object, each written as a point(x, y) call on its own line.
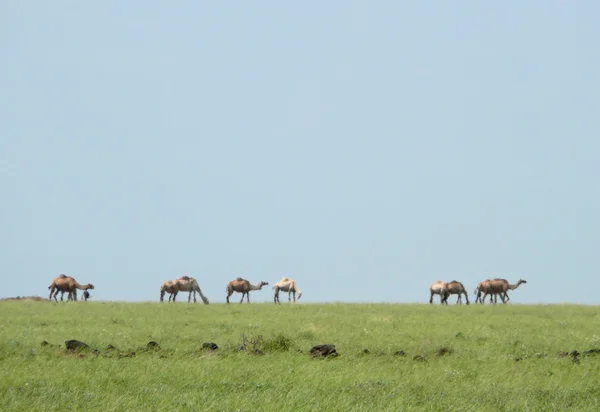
point(111, 347)
point(366, 351)
point(323, 351)
point(444, 351)
point(76, 346)
point(45, 343)
point(419, 358)
point(400, 353)
point(518, 359)
point(258, 352)
point(574, 356)
point(210, 346)
point(592, 352)
point(152, 345)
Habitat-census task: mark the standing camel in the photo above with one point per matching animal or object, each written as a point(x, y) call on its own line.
point(501, 287)
point(67, 284)
point(481, 289)
point(453, 288)
point(287, 285)
point(171, 287)
point(188, 284)
point(244, 287)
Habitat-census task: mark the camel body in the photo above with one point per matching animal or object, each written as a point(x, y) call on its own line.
point(66, 284)
point(171, 287)
point(436, 289)
point(481, 289)
point(244, 287)
point(286, 285)
point(189, 284)
point(501, 287)
point(453, 288)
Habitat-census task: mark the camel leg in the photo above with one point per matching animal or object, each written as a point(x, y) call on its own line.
point(467, 298)
point(242, 301)
point(190, 297)
point(55, 294)
point(294, 296)
point(195, 296)
point(228, 298)
point(459, 300)
point(431, 298)
point(276, 296)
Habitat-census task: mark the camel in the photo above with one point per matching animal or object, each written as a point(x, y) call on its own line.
point(64, 283)
point(244, 287)
point(189, 284)
point(170, 286)
point(482, 288)
point(453, 288)
point(436, 289)
point(501, 287)
point(289, 286)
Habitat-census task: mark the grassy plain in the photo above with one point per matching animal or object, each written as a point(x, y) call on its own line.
point(502, 357)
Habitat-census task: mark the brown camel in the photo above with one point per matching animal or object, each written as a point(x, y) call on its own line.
point(171, 287)
point(189, 284)
point(64, 283)
point(287, 285)
point(484, 288)
point(501, 287)
point(453, 288)
point(244, 287)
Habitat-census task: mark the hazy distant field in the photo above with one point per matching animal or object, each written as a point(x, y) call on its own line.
point(501, 358)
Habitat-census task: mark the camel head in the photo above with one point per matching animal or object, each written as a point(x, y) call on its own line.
point(89, 286)
point(299, 295)
point(522, 281)
point(261, 284)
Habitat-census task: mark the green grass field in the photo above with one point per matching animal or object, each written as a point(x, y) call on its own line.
point(502, 357)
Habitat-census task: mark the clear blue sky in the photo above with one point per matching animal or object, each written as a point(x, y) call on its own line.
point(365, 149)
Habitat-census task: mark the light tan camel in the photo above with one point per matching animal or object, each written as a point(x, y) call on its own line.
point(287, 285)
point(453, 288)
point(189, 284)
point(436, 289)
point(64, 283)
point(171, 287)
point(244, 287)
point(501, 287)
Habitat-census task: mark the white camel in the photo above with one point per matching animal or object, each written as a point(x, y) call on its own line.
point(286, 285)
point(189, 284)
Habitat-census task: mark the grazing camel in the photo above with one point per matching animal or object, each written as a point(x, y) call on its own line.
point(244, 287)
point(501, 287)
point(436, 289)
point(287, 285)
point(67, 284)
point(453, 288)
point(171, 287)
point(188, 284)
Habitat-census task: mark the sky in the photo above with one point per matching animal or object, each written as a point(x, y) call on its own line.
point(364, 149)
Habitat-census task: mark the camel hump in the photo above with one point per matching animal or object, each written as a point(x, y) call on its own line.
point(239, 279)
point(62, 276)
point(185, 278)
